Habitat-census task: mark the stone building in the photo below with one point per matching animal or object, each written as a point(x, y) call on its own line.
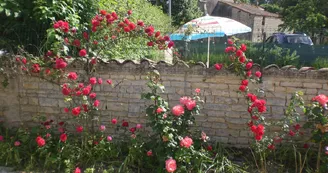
point(263, 23)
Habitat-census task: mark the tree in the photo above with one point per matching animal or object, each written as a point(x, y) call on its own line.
point(182, 10)
point(309, 16)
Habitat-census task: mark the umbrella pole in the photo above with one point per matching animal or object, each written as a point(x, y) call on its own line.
point(208, 52)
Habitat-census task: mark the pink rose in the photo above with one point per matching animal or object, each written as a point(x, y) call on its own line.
point(109, 81)
point(184, 100)
point(138, 126)
point(102, 128)
point(178, 110)
point(191, 105)
point(109, 138)
point(17, 143)
point(197, 90)
point(322, 99)
point(1, 138)
point(186, 142)
point(170, 165)
point(159, 110)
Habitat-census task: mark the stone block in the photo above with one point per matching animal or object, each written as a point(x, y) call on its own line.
point(30, 85)
point(312, 85)
point(48, 102)
point(291, 84)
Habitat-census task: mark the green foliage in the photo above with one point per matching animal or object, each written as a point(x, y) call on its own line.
point(24, 22)
point(273, 8)
point(182, 11)
point(296, 12)
point(320, 62)
point(272, 55)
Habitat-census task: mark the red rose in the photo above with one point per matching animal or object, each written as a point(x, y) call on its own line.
point(170, 165)
point(36, 68)
point(126, 29)
point(171, 44)
point(77, 170)
point(244, 82)
point(129, 12)
point(63, 137)
point(100, 81)
point(218, 66)
point(249, 65)
point(277, 139)
point(72, 75)
point(230, 42)
point(149, 153)
point(76, 43)
point(40, 141)
point(242, 59)
point(76, 111)
point(114, 121)
point(79, 129)
point(150, 44)
point(242, 88)
point(47, 71)
point(133, 129)
point(109, 81)
point(60, 63)
point(166, 38)
point(24, 61)
point(83, 52)
point(95, 42)
point(61, 123)
point(271, 147)
point(297, 127)
point(291, 133)
point(254, 117)
point(258, 74)
point(66, 91)
point(140, 23)
point(132, 26)
point(93, 95)
point(125, 124)
point(209, 148)
point(103, 12)
point(96, 103)
point(252, 97)
point(306, 146)
point(85, 35)
point(93, 80)
point(239, 53)
point(157, 34)
point(249, 73)
point(86, 90)
point(243, 47)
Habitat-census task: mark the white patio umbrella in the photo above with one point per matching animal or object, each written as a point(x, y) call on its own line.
point(207, 27)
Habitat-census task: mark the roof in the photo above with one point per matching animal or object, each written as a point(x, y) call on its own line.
point(252, 9)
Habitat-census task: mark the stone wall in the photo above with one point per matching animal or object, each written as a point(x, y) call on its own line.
point(223, 115)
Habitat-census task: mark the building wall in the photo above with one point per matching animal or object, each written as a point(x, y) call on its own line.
point(223, 116)
point(254, 21)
